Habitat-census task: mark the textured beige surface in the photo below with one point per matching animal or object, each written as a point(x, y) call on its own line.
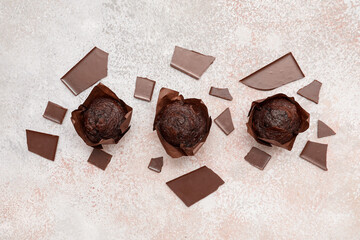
point(71, 199)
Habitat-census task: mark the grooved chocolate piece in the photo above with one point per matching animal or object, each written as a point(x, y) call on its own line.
point(144, 88)
point(99, 158)
point(224, 122)
point(280, 72)
point(195, 185)
point(87, 71)
point(324, 130)
point(257, 158)
point(42, 144)
point(190, 62)
point(156, 164)
point(315, 153)
point(54, 112)
point(221, 93)
point(311, 91)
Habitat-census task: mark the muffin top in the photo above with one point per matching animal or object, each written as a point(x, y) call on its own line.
point(276, 119)
point(103, 118)
point(182, 124)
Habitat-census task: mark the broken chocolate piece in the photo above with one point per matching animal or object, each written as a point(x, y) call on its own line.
point(144, 88)
point(315, 153)
point(195, 185)
point(89, 70)
point(99, 158)
point(182, 125)
point(54, 112)
point(324, 130)
point(190, 62)
point(257, 158)
point(311, 91)
point(221, 93)
point(224, 122)
point(277, 120)
point(156, 164)
point(280, 72)
point(42, 144)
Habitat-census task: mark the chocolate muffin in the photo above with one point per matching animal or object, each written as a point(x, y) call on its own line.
point(103, 118)
point(276, 119)
point(182, 124)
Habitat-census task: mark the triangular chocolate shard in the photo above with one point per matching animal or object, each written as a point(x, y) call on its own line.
point(280, 72)
point(311, 91)
point(315, 153)
point(324, 130)
point(190, 62)
point(89, 70)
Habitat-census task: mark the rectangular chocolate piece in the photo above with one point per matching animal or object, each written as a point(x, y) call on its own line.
point(315, 153)
point(257, 158)
point(144, 88)
point(221, 93)
point(195, 185)
point(190, 62)
point(89, 70)
point(54, 112)
point(280, 72)
point(42, 144)
point(99, 158)
point(224, 122)
point(156, 164)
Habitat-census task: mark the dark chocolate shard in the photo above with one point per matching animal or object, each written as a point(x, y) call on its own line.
point(195, 185)
point(42, 144)
point(190, 62)
point(144, 88)
point(221, 93)
point(99, 158)
point(324, 130)
point(156, 164)
point(89, 70)
point(280, 72)
point(311, 91)
point(315, 153)
point(224, 122)
point(54, 112)
point(257, 158)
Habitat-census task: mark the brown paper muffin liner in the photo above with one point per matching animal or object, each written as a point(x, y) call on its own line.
point(77, 116)
point(304, 125)
point(167, 96)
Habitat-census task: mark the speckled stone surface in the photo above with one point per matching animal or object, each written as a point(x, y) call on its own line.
point(71, 199)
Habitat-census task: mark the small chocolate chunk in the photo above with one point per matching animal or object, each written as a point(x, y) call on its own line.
point(224, 122)
point(190, 62)
point(315, 153)
point(257, 158)
point(324, 130)
point(89, 70)
point(280, 72)
point(99, 158)
point(195, 185)
point(144, 88)
point(311, 91)
point(54, 112)
point(221, 93)
point(156, 164)
point(42, 144)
